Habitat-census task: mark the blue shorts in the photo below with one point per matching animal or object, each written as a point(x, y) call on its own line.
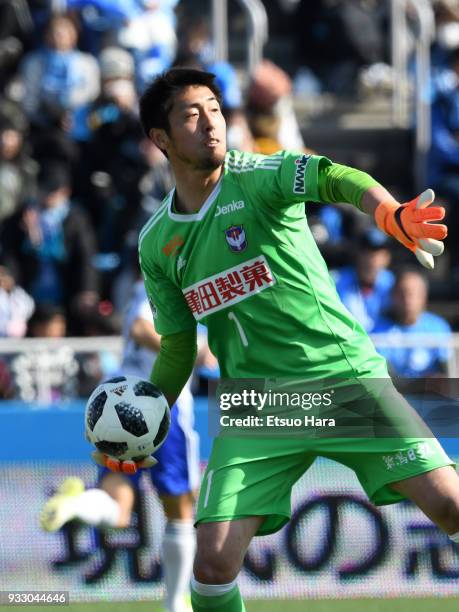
point(177, 470)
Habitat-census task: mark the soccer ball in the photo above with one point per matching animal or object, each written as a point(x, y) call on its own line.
point(127, 417)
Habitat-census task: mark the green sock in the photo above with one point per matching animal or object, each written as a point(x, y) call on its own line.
point(228, 602)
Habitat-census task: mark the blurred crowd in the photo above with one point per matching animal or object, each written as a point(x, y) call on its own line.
point(78, 178)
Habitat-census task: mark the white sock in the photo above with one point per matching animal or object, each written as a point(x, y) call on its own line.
point(212, 590)
point(455, 537)
point(96, 507)
point(179, 544)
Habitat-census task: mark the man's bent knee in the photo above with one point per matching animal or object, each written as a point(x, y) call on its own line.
point(215, 569)
point(436, 493)
point(222, 547)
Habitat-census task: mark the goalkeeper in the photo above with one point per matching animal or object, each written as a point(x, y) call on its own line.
point(230, 247)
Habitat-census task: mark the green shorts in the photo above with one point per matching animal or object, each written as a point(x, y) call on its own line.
point(254, 476)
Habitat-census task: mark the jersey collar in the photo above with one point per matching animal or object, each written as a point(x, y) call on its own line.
point(202, 211)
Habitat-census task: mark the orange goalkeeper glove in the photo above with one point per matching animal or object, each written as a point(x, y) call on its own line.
point(408, 223)
point(128, 466)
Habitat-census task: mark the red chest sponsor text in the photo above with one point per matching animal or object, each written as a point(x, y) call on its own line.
point(228, 287)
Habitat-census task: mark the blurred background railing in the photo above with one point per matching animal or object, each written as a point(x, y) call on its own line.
point(46, 371)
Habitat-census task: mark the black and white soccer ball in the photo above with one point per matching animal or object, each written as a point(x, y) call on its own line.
point(127, 417)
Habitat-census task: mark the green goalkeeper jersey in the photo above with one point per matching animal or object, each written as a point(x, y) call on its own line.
point(247, 266)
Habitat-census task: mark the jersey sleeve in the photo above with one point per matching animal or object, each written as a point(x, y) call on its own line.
point(171, 314)
point(282, 179)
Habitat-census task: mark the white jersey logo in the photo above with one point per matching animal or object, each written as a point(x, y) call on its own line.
point(228, 287)
point(224, 210)
point(299, 185)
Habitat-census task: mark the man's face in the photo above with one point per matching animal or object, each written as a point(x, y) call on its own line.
point(10, 143)
point(370, 263)
point(61, 35)
point(409, 298)
point(6, 279)
point(55, 327)
point(197, 135)
point(52, 199)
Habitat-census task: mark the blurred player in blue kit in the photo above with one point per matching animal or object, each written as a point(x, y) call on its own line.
point(175, 476)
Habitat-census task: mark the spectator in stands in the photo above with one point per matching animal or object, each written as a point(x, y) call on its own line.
point(151, 37)
point(49, 246)
point(108, 22)
point(16, 27)
point(58, 79)
point(48, 321)
point(117, 68)
point(443, 164)
point(114, 164)
point(365, 288)
point(100, 362)
point(446, 31)
point(196, 51)
point(7, 390)
point(336, 38)
point(48, 374)
point(16, 306)
point(117, 93)
point(238, 133)
point(265, 129)
point(154, 185)
point(408, 317)
point(17, 169)
point(101, 320)
point(270, 100)
point(157, 181)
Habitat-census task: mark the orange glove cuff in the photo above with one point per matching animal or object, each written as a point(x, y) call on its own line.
point(382, 211)
point(386, 221)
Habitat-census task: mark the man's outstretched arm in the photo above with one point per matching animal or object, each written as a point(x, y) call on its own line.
point(408, 223)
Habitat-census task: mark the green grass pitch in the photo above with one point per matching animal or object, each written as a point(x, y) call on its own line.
point(329, 605)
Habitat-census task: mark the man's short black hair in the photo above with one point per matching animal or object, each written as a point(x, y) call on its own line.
point(157, 100)
point(372, 239)
point(45, 313)
point(54, 175)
